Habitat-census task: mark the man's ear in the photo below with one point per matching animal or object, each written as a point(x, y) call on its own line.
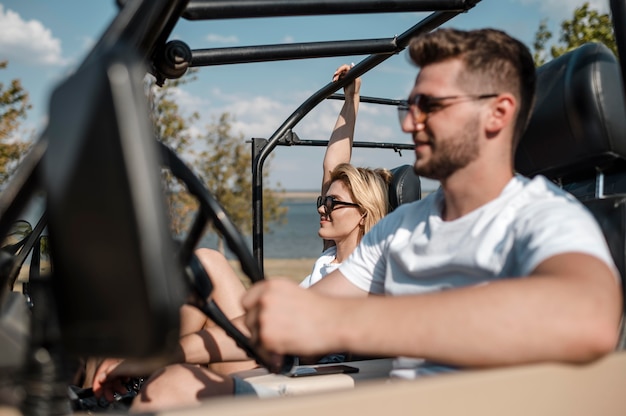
point(502, 113)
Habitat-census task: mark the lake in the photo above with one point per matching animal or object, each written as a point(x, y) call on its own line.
point(295, 239)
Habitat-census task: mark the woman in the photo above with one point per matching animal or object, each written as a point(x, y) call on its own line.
point(355, 200)
point(352, 200)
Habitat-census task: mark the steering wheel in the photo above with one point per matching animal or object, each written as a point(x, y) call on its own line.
point(211, 210)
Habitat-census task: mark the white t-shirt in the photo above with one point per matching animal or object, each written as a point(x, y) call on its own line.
point(412, 250)
point(323, 265)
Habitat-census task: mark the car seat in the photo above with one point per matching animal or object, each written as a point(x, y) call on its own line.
point(405, 186)
point(576, 138)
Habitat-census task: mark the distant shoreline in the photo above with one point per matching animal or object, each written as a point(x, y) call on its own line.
point(299, 195)
point(312, 195)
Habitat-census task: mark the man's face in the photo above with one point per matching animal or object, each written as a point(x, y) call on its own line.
point(446, 129)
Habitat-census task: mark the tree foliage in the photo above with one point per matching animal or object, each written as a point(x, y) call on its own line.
point(542, 36)
point(220, 158)
point(172, 128)
point(586, 25)
point(225, 167)
point(13, 107)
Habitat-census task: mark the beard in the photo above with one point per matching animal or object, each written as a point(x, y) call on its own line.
point(450, 154)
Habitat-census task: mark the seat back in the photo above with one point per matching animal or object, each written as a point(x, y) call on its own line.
point(578, 124)
point(577, 138)
point(405, 186)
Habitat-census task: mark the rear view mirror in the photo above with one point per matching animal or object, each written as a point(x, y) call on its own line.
point(117, 282)
point(16, 236)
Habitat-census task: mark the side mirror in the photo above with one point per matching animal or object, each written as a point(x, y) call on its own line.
point(16, 237)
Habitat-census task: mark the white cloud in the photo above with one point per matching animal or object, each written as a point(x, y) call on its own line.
point(187, 102)
point(258, 116)
point(288, 39)
point(254, 116)
point(28, 42)
point(563, 9)
point(215, 38)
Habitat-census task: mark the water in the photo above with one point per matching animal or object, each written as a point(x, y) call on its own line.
point(295, 239)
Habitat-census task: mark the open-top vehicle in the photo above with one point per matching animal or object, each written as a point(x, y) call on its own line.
point(98, 164)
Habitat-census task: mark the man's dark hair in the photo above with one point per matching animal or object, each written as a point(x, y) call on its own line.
point(494, 63)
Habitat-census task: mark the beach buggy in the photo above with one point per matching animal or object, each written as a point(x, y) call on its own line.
point(97, 164)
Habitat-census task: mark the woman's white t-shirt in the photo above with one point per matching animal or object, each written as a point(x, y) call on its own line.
point(323, 265)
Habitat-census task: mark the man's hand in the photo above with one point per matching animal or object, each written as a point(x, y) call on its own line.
point(284, 318)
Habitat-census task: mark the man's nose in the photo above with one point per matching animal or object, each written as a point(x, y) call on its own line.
point(409, 125)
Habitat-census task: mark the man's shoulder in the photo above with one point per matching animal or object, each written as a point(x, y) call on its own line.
point(540, 183)
point(539, 189)
point(541, 198)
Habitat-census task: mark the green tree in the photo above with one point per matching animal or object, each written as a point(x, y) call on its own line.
point(542, 37)
point(13, 107)
point(221, 159)
point(225, 167)
point(586, 25)
point(172, 128)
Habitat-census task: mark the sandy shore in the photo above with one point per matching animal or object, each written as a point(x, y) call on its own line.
point(300, 195)
point(295, 269)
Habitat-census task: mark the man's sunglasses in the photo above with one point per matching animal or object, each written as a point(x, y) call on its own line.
point(330, 202)
point(420, 105)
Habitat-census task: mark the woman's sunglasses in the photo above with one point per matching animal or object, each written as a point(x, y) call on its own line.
point(329, 203)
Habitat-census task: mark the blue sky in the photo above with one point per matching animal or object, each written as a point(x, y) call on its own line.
point(44, 40)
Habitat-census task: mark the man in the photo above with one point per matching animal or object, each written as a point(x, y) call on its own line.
point(492, 269)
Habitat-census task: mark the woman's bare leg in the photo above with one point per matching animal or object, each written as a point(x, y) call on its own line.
point(227, 292)
point(180, 386)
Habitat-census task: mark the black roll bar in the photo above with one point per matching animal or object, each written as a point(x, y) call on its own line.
point(429, 23)
point(229, 9)
point(281, 52)
point(371, 100)
point(141, 24)
point(291, 139)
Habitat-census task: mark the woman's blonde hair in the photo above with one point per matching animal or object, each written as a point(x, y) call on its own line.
point(368, 188)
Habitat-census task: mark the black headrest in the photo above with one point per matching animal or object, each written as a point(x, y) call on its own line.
point(405, 186)
point(578, 125)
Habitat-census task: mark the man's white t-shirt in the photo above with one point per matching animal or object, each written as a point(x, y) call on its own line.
point(412, 250)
